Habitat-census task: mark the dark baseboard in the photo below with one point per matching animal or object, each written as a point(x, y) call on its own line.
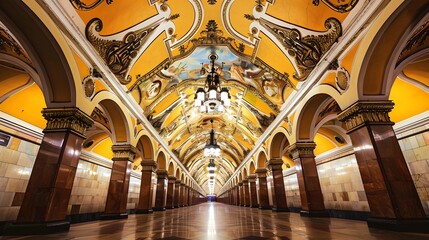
point(354, 215)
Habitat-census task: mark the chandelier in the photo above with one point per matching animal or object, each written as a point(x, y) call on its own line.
point(212, 149)
point(212, 98)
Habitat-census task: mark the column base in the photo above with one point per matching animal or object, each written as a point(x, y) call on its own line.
point(254, 206)
point(170, 207)
point(159, 209)
point(306, 213)
point(16, 229)
point(113, 216)
point(409, 225)
point(144, 211)
point(280, 209)
point(176, 206)
point(265, 207)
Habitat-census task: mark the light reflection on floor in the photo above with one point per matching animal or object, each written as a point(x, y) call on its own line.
point(220, 221)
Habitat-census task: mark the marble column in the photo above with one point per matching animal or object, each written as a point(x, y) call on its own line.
point(389, 187)
point(146, 186)
point(246, 193)
point(117, 195)
point(177, 193)
point(182, 194)
point(170, 192)
point(46, 198)
point(161, 190)
point(278, 188)
point(312, 204)
point(189, 196)
point(262, 188)
point(252, 191)
point(240, 194)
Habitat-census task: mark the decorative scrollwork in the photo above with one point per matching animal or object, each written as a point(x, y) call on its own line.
point(9, 46)
point(339, 6)
point(417, 40)
point(211, 2)
point(305, 51)
point(118, 55)
point(211, 35)
point(79, 5)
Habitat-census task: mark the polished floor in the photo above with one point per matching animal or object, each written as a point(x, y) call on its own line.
point(220, 221)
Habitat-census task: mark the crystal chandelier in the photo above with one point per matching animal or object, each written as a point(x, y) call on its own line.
point(212, 98)
point(212, 149)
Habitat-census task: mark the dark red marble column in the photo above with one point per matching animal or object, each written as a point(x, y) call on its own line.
point(117, 195)
point(177, 193)
point(246, 193)
point(241, 193)
point(182, 194)
point(312, 204)
point(189, 196)
point(252, 191)
point(170, 192)
point(45, 203)
point(390, 190)
point(146, 186)
point(161, 190)
point(262, 188)
point(278, 190)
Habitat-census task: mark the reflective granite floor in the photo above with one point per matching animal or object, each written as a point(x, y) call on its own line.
point(220, 221)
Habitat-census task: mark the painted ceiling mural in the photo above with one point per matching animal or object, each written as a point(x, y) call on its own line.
point(266, 49)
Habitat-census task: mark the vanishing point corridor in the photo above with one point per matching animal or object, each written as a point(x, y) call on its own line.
point(221, 221)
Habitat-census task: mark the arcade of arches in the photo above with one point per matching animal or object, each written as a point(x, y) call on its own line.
point(329, 113)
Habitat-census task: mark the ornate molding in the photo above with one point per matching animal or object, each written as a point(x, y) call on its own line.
point(66, 119)
point(212, 36)
point(338, 6)
point(79, 5)
point(302, 149)
point(123, 152)
point(148, 165)
point(274, 164)
point(363, 113)
point(9, 46)
point(416, 41)
point(303, 51)
point(119, 55)
point(162, 173)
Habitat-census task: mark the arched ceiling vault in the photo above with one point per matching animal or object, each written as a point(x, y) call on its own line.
point(155, 50)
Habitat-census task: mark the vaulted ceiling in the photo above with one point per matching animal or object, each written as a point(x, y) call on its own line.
point(156, 49)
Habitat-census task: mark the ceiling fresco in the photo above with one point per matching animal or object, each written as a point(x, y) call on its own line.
point(266, 49)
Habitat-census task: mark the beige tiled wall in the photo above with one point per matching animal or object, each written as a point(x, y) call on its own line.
point(84, 199)
point(292, 191)
point(16, 162)
point(342, 186)
point(133, 193)
point(416, 153)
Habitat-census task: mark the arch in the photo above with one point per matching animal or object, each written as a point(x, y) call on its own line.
point(146, 147)
point(182, 178)
point(278, 146)
point(308, 115)
point(262, 159)
point(177, 175)
point(245, 173)
point(119, 122)
point(252, 168)
point(373, 71)
point(171, 169)
point(47, 48)
point(161, 160)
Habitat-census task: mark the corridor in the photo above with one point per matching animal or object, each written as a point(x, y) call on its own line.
point(221, 221)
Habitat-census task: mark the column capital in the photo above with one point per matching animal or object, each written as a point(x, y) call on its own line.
point(274, 164)
point(66, 119)
point(162, 173)
point(240, 183)
point(245, 182)
point(251, 178)
point(182, 185)
point(148, 165)
point(171, 179)
point(261, 172)
point(123, 152)
point(178, 181)
point(366, 112)
point(302, 149)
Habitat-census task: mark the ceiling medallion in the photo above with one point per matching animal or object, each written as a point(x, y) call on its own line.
point(212, 98)
point(342, 79)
